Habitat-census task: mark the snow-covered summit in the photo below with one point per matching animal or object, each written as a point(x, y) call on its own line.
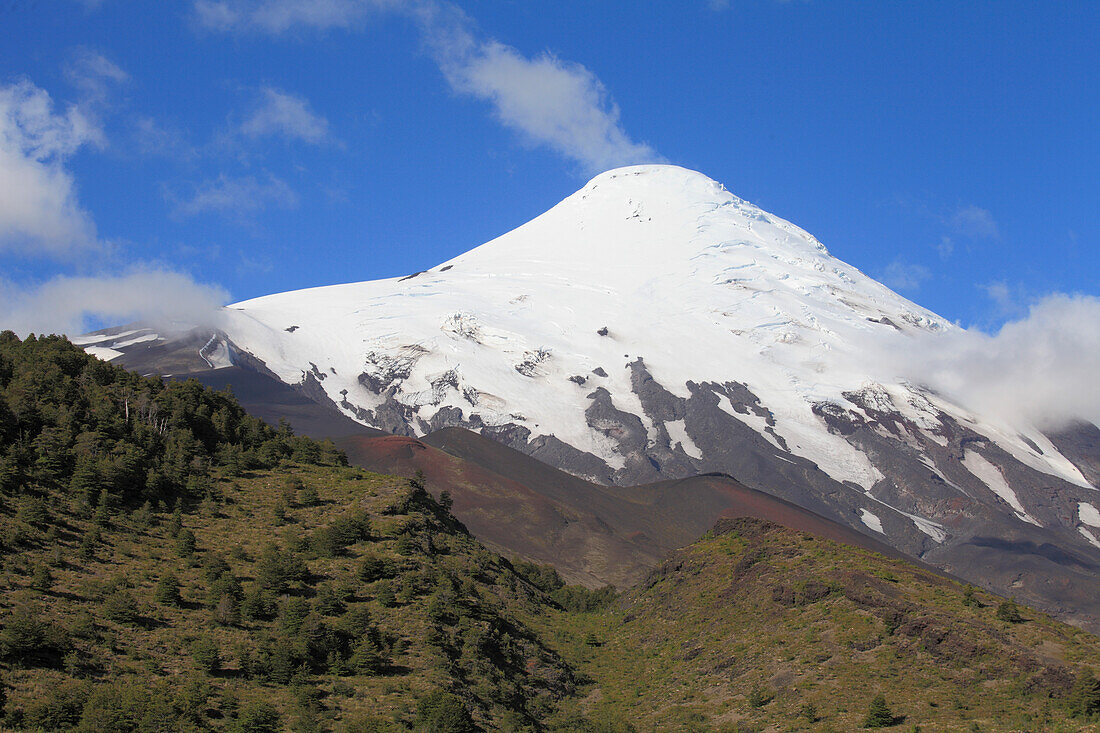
point(654, 261)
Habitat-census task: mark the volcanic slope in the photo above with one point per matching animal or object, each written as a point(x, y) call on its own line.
point(653, 326)
point(592, 534)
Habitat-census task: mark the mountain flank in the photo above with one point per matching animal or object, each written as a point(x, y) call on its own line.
point(592, 534)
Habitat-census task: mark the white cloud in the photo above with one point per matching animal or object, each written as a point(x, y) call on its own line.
point(280, 16)
point(66, 303)
point(998, 291)
point(904, 276)
point(287, 115)
point(152, 137)
point(239, 198)
point(975, 222)
point(549, 101)
point(39, 210)
point(946, 247)
point(1040, 369)
point(93, 74)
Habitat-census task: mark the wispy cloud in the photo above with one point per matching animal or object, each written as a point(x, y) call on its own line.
point(946, 247)
point(901, 275)
point(236, 198)
point(153, 137)
point(974, 221)
point(94, 75)
point(40, 213)
point(67, 304)
point(280, 16)
point(283, 114)
point(550, 102)
point(1001, 296)
point(547, 100)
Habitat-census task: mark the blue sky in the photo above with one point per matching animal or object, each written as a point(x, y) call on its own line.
point(159, 157)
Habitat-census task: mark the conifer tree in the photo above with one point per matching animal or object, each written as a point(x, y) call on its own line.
point(878, 714)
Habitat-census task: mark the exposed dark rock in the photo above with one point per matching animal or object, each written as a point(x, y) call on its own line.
point(1080, 443)
point(657, 402)
point(622, 427)
point(531, 360)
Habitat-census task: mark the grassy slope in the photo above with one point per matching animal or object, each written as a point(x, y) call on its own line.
point(757, 608)
point(802, 621)
point(158, 645)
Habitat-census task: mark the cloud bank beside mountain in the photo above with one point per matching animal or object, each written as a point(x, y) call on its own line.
point(1042, 368)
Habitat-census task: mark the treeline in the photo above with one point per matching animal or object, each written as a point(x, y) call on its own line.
point(108, 437)
point(574, 598)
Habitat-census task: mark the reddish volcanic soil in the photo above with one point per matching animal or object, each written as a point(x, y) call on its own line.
point(592, 534)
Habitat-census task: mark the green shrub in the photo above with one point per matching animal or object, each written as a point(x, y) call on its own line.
point(257, 717)
point(121, 607)
point(58, 707)
point(372, 568)
point(760, 696)
point(308, 496)
point(1010, 612)
point(224, 599)
point(123, 706)
point(443, 712)
point(276, 569)
point(167, 592)
point(293, 612)
point(185, 543)
point(41, 578)
point(260, 604)
point(384, 593)
point(579, 599)
point(207, 654)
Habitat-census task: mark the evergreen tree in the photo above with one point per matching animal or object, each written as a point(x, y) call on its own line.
point(185, 543)
point(167, 592)
point(878, 714)
point(257, 717)
point(443, 712)
point(1084, 698)
point(41, 578)
point(206, 654)
point(309, 496)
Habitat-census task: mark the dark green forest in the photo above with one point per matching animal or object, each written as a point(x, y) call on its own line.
point(111, 438)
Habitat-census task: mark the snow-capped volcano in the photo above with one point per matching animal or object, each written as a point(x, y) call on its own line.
point(650, 262)
point(653, 325)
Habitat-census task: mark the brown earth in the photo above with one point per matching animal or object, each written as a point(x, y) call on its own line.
point(592, 534)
